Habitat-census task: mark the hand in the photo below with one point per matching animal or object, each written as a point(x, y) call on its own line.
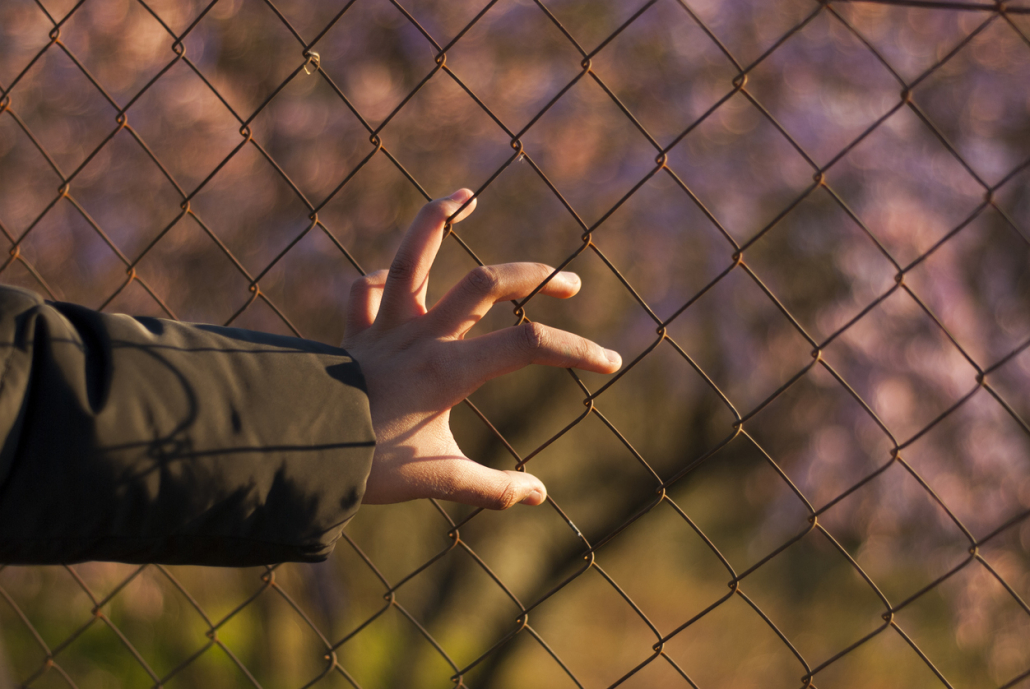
point(418, 364)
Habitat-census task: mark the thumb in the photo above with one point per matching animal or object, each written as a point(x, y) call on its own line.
point(470, 483)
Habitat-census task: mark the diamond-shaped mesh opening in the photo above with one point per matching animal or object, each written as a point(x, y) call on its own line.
point(926, 376)
point(821, 241)
point(824, 63)
point(68, 140)
point(630, 644)
point(112, 35)
point(849, 608)
point(185, 125)
point(984, 490)
point(475, 146)
point(744, 646)
point(124, 169)
point(665, 69)
point(662, 552)
point(664, 245)
point(591, 444)
point(847, 447)
point(990, 131)
point(741, 167)
point(983, 256)
point(589, 150)
point(877, 180)
point(56, 247)
point(515, 90)
point(898, 566)
point(803, 224)
point(982, 616)
point(714, 336)
point(740, 474)
point(376, 57)
point(295, 128)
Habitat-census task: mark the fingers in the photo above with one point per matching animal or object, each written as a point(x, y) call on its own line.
point(468, 301)
point(404, 296)
point(365, 295)
point(504, 351)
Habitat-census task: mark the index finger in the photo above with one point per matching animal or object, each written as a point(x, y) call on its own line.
point(404, 296)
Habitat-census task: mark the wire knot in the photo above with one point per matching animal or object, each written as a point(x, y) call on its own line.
point(313, 62)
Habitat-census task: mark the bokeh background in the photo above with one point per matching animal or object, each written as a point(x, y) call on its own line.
point(806, 226)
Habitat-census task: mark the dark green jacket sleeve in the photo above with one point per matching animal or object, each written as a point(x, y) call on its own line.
point(144, 440)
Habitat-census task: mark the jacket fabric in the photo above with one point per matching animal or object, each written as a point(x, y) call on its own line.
point(144, 440)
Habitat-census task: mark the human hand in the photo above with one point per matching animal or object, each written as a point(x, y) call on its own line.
point(417, 364)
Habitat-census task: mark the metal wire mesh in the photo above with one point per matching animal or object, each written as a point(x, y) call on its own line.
point(55, 617)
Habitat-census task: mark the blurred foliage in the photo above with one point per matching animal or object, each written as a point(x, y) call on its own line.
point(934, 190)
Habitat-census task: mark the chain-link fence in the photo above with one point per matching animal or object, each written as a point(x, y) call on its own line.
point(804, 224)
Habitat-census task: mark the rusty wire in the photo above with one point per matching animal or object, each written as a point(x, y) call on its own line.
point(308, 63)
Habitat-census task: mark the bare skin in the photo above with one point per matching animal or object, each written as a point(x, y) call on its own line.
point(418, 365)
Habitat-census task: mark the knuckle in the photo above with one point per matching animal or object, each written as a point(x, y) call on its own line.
point(359, 287)
point(366, 283)
point(542, 268)
point(436, 211)
point(484, 279)
point(532, 336)
point(508, 495)
point(403, 268)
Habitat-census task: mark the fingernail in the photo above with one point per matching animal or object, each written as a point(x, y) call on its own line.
point(460, 196)
point(535, 497)
point(613, 357)
point(570, 277)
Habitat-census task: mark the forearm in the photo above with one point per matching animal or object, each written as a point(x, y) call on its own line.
point(142, 440)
